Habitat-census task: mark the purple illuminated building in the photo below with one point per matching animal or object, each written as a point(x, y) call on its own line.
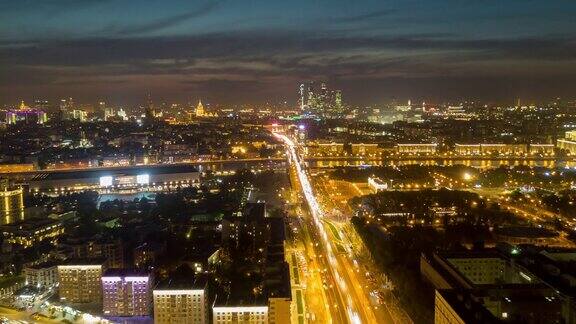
point(126, 293)
point(26, 114)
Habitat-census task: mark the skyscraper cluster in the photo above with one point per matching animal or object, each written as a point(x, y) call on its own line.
point(321, 101)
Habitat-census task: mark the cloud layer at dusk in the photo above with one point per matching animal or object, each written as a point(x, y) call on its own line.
point(255, 51)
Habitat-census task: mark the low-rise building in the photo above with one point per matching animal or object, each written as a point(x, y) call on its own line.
point(417, 148)
point(570, 135)
point(541, 149)
point(115, 178)
point(492, 148)
point(252, 314)
point(467, 149)
point(324, 149)
point(376, 184)
point(33, 231)
point(567, 145)
point(360, 149)
point(504, 149)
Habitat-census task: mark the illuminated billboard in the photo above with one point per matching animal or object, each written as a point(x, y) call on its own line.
point(106, 181)
point(143, 179)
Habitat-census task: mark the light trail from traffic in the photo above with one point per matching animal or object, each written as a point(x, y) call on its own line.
point(356, 307)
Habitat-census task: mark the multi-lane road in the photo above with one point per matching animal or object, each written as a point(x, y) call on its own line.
point(344, 284)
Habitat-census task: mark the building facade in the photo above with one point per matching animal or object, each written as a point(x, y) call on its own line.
point(279, 310)
point(126, 293)
point(30, 232)
point(496, 148)
point(11, 204)
point(417, 148)
point(173, 305)
point(376, 184)
point(80, 281)
point(568, 145)
point(41, 275)
point(240, 314)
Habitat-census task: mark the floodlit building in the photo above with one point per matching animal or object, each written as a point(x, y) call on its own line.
point(542, 149)
point(567, 145)
point(30, 232)
point(11, 204)
point(417, 148)
point(80, 281)
point(201, 111)
point(26, 114)
point(126, 293)
point(487, 149)
point(324, 149)
point(165, 176)
point(280, 310)
point(178, 302)
point(376, 184)
point(364, 149)
point(504, 149)
point(41, 275)
point(240, 314)
point(570, 135)
point(467, 149)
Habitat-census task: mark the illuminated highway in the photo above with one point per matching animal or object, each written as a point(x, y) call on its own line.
point(349, 301)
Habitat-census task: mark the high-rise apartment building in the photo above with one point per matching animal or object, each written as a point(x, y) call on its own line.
point(80, 281)
point(41, 275)
point(180, 302)
point(126, 293)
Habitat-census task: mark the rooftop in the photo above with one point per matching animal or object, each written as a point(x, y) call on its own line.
point(525, 231)
point(83, 262)
point(469, 310)
point(182, 283)
point(114, 272)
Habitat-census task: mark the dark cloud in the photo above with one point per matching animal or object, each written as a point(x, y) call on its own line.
point(271, 45)
point(365, 17)
point(262, 65)
point(171, 21)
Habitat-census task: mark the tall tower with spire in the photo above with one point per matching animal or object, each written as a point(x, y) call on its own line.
point(150, 113)
point(200, 109)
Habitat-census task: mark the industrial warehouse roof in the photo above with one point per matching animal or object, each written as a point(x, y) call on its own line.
point(125, 171)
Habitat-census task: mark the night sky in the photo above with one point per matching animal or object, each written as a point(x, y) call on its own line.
point(248, 51)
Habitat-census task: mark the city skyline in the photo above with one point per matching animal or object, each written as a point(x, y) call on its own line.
point(282, 162)
point(256, 52)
